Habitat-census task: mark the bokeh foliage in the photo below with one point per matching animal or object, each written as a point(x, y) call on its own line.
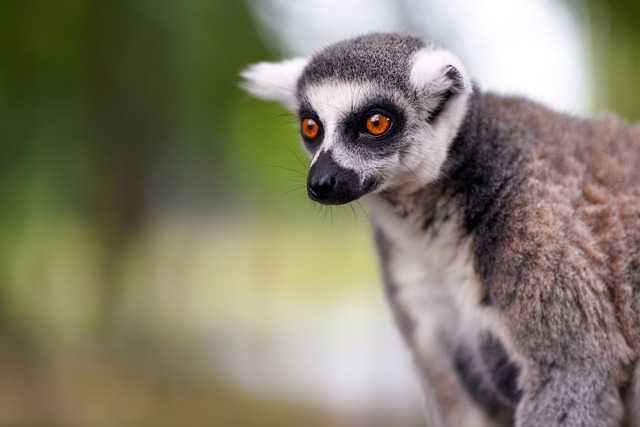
point(111, 112)
point(615, 33)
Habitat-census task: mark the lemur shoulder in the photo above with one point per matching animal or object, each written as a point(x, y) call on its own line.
point(508, 233)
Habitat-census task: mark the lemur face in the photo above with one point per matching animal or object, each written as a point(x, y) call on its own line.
point(376, 112)
point(354, 133)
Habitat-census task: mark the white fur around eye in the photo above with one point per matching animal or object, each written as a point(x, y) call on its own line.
point(275, 81)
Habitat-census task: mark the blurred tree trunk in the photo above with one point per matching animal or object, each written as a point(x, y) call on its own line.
point(129, 99)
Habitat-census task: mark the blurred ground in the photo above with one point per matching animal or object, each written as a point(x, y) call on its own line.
point(214, 324)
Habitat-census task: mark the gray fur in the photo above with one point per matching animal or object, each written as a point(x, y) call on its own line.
point(360, 59)
point(513, 267)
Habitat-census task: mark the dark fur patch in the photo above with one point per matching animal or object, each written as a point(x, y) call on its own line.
point(502, 370)
point(485, 173)
point(475, 380)
point(457, 81)
point(488, 375)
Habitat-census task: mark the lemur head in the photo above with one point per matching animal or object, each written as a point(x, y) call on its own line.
point(377, 112)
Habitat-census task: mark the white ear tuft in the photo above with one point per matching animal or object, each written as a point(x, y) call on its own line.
point(275, 81)
point(439, 70)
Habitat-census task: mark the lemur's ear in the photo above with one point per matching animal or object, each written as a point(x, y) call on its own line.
point(275, 81)
point(438, 75)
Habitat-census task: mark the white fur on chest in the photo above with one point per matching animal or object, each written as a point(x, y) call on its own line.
point(434, 279)
point(437, 286)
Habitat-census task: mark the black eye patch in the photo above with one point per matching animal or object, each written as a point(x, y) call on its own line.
point(355, 123)
point(305, 113)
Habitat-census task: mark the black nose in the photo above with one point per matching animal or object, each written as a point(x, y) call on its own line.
point(329, 183)
point(321, 187)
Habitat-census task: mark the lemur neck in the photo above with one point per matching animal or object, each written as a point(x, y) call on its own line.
point(485, 164)
point(481, 167)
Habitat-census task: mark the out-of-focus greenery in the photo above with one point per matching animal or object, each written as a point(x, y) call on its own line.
point(110, 113)
point(143, 196)
point(615, 35)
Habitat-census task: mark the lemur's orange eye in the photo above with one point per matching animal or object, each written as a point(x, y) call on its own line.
point(378, 124)
point(310, 128)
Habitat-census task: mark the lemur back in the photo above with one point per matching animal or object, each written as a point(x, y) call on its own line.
point(509, 234)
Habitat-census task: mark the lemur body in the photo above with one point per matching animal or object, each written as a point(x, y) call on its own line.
point(509, 234)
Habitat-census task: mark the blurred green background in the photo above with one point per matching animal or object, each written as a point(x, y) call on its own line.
point(160, 264)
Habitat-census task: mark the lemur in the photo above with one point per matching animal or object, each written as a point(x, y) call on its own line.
point(508, 233)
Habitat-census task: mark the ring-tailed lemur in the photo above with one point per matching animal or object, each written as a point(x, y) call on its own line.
point(509, 234)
